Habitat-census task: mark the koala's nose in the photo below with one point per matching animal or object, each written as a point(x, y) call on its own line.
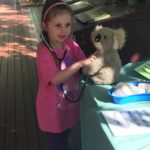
point(98, 38)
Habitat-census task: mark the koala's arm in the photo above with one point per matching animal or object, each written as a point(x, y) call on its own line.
point(93, 67)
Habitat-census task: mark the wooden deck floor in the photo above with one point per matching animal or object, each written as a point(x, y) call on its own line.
point(18, 80)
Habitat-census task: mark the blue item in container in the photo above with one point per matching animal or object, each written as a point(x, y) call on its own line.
point(130, 98)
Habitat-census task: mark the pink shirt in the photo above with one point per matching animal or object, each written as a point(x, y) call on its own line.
point(54, 112)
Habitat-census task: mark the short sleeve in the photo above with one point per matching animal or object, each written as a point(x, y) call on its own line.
point(77, 51)
point(45, 65)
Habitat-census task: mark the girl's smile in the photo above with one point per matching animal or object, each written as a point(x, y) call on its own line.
point(62, 36)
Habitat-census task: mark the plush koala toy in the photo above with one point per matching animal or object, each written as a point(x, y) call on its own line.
point(106, 67)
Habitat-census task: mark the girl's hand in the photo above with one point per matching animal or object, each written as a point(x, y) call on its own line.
point(88, 60)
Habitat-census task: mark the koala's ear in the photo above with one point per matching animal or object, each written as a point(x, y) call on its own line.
point(98, 27)
point(93, 33)
point(44, 26)
point(119, 38)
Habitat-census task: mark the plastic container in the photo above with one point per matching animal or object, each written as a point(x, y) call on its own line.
point(130, 98)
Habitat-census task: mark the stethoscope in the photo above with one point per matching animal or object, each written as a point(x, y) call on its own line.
point(58, 63)
point(52, 51)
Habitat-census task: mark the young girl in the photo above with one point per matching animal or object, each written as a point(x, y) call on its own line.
point(59, 58)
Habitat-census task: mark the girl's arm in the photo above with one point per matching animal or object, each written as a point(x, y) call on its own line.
point(68, 72)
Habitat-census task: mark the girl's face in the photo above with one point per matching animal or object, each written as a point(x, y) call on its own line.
point(59, 28)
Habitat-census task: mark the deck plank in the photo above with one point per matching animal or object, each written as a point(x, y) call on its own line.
point(10, 131)
point(21, 133)
point(3, 91)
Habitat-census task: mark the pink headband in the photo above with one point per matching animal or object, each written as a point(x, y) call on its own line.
point(50, 7)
